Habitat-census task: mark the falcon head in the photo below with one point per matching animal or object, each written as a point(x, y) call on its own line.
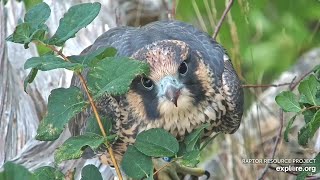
point(172, 86)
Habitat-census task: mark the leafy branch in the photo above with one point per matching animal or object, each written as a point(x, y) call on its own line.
point(60, 109)
point(94, 108)
point(308, 105)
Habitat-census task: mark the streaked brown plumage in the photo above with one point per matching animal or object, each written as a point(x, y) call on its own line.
point(192, 82)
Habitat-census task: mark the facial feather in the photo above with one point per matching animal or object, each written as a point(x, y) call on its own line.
point(164, 57)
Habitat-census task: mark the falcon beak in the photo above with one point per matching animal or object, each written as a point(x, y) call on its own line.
point(170, 88)
point(173, 94)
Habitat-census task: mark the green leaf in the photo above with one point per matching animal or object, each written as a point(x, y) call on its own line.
point(25, 33)
point(114, 75)
point(316, 68)
point(209, 140)
point(30, 3)
point(308, 131)
point(90, 172)
point(38, 14)
point(77, 17)
point(63, 104)
point(92, 58)
point(308, 89)
point(313, 168)
point(135, 164)
point(288, 128)
point(39, 33)
point(73, 147)
point(288, 101)
point(192, 140)
point(33, 27)
point(44, 50)
point(102, 53)
point(157, 143)
point(150, 177)
point(317, 73)
point(191, 158)
point(308, 115)
point(16, 172)
point(48, 173)
point(93, 126)
point(22, 34)
point(10, 38)
point(29, 79)
point(182, 149)
point(49, 62)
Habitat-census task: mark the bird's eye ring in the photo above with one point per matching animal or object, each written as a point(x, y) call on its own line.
point(147, 83)
point(183, 68)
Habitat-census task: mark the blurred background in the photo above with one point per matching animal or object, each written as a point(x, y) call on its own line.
point(264, 38)
point(269, 41)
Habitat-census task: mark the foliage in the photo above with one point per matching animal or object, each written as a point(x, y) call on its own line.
point(90, 172)
point(136, 164)
point(108, 77)
point(73, 147)
point(158, 143)
point(306, 104)
point(17, 172)
point(63, 104)
point(266, 35)
point(106, 74)
point(48, 172)
point(76, 18)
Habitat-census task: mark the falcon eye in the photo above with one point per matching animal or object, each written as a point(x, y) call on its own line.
point(183, 68)
point(147, 83)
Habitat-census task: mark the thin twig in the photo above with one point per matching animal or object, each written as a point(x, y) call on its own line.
point(217, 29)
point(311, 107)
point(166, 165)
point(293, 86)
point(274, 147)
point(264, 85)
point(95, 111)
point(173, 10)
point(139, 12)
point(117, 16)
point(314, 32)
point(170, 13)
point(166, 6)
point(94, 108)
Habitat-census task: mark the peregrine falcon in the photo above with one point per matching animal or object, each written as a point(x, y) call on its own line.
point(191, 82)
